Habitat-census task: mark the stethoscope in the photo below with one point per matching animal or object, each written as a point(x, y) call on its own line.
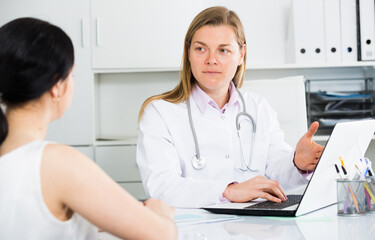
point(200, 162)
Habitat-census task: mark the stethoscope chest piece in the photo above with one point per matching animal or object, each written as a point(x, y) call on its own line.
point(198, 163)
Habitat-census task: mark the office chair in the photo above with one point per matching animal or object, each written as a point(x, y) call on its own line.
point(287, 97)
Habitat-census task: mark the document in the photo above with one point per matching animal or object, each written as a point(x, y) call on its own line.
point(186, 217)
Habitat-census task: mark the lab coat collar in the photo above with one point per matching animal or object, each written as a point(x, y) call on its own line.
point(203, 100)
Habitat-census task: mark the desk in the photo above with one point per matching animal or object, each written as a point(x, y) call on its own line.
point(321, 224)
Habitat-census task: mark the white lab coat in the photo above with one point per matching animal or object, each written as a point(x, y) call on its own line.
point(166, 147)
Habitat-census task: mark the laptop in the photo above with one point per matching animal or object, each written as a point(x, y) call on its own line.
point(348, 140)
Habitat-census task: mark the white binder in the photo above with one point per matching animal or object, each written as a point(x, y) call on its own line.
point(332, 30)
point(316, 31)
point(297, 42)
point(348, 21)
point(367, 29)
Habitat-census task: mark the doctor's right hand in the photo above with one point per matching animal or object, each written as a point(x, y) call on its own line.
point(257, 187)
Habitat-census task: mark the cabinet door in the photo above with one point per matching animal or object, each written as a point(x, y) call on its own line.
point(76, 126)
point(143, 34)
point(88, 151)
point(118, 162)
point(135, 189)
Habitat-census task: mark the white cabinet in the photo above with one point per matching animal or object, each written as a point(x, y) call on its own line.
point(88, 151)
point(144, 34)
point(137, 35)
point(135, 189)
point(119, 162)
point(76, 126)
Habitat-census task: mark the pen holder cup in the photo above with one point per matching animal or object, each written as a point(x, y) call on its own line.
point(370, 194)
point(351, 197)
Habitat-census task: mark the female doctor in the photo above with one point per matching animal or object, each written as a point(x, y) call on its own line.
point(204, 142)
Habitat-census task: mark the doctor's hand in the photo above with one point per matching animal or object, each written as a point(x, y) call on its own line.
point(307, 151)
point(257, 187)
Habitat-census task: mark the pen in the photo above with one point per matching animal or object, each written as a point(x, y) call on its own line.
point(368, 199)
point(350, 189)
point(344, 171)
point(367, 188)
point(369, 192)
point(338, 171)
point(366, 171)
point(346, 191)
point(342, 161)
point(368, 163)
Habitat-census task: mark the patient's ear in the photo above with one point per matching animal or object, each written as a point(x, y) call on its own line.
point(55, 91)
point(58, 90)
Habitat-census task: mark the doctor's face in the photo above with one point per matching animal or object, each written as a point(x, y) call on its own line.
point(214, 56)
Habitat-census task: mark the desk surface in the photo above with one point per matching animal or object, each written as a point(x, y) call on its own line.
point(321, 224)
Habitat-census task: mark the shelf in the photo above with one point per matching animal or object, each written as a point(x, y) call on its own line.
point(249, 67)
point(302, 66)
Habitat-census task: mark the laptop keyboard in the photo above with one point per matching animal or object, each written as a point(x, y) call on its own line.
point(292, 200)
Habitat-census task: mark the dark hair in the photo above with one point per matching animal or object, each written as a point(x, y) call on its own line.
point(34, 56)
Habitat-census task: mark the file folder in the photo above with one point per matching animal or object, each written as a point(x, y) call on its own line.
point(297, 42)
point(332, 30)
point(306, 42)
point(366, 36)
point(316, 31)
point(348, 22)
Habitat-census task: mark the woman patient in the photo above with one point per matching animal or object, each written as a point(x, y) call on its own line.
point(49, 190)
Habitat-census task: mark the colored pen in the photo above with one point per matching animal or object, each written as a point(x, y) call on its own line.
point(350, 189)
point(346, 192)
point(342, 161)
point(368, 163)
point(369, 191)
point(366, 171)
point(367, 187)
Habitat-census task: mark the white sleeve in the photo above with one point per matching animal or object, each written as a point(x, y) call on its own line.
point(280, 165)
point(161, 170)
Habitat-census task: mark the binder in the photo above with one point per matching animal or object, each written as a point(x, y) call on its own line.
point(348, 26)
point(366, 36)
point(332, 31)
point(316, 31)
point(306, 41)
point(298, 38)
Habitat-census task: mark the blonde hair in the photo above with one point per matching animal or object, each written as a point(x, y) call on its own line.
point(214, 16)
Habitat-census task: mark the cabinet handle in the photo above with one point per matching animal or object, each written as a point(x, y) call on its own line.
point(97, 32)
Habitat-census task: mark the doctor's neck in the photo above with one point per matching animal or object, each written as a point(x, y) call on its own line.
point(219, 97)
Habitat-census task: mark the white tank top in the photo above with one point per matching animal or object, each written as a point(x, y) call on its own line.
point(23, 212)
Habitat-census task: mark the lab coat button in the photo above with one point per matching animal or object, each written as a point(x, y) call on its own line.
point(227, 156)
point(223, 117)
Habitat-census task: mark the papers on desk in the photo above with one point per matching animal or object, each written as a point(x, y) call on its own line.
point(187, 217)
